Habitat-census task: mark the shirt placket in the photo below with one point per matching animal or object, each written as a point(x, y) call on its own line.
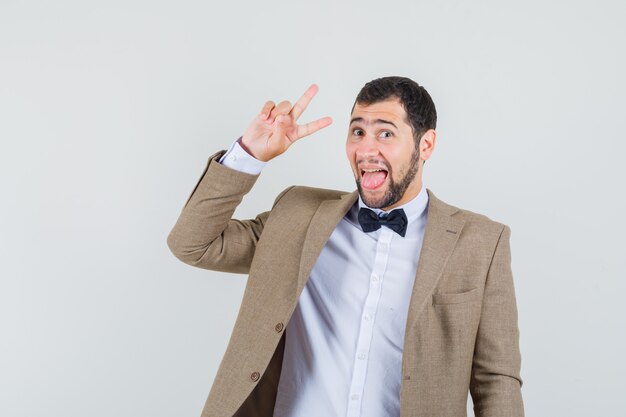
point(368, 316)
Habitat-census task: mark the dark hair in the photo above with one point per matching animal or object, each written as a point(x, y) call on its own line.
point(416, 101)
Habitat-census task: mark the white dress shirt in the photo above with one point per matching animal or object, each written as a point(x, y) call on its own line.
point(344, 341)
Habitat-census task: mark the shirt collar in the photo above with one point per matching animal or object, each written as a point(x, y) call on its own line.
point(413, 208)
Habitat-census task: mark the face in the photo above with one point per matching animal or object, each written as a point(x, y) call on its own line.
point(382, 152)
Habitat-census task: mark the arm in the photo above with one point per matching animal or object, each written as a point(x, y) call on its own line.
point(205, 235)
point(495, 382)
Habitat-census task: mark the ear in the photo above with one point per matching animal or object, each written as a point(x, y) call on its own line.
point(427, 144)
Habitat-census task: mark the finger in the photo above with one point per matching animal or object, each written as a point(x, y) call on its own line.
point(267, 108)
point(312, 127)
point(304, 101)
point(282, 108)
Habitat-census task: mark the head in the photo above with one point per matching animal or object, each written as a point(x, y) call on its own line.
point(390, 137)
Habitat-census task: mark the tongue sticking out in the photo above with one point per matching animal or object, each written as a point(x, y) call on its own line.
point(373, 180)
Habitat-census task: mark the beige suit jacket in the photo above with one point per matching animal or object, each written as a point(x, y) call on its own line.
point(461, 331)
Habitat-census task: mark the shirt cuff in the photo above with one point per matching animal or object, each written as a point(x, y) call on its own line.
point(238, 159)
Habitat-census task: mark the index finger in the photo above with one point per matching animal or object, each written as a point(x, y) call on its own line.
point(304, 101)
point(312, 127)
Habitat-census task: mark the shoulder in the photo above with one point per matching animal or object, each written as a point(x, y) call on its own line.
point(294, 208)
point(300, 195)
point(473, 222)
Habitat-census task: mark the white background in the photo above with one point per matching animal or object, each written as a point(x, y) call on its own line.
point(109, 111)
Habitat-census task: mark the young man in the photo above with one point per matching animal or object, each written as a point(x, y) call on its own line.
point(385, 301)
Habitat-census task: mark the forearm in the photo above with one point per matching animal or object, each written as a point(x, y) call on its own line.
point(204, 234)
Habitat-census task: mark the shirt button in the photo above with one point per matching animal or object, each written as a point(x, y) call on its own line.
point(361, 356)
point(233, 157)
point(375, 278)
point(355, 397)
point(279, 327)
point(383, 246)
point(367, 317)
point(255, 376)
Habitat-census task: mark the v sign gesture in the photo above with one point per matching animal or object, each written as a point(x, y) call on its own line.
point(275, 128)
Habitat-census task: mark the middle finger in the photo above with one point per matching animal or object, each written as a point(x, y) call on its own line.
point(284, 107)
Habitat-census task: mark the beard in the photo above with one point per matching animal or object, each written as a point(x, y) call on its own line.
point(396, 190)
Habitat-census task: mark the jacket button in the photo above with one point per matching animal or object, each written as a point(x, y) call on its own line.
point(255, 376)
point(279, 327)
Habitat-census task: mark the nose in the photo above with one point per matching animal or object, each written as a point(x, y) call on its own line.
point(367, 148)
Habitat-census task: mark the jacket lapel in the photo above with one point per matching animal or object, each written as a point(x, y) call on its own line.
point(441, 234)
point(324, 221)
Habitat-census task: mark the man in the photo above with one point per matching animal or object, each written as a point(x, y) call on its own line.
point(381, 302)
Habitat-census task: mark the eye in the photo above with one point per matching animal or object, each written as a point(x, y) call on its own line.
point(385, 134)
point(357, 132)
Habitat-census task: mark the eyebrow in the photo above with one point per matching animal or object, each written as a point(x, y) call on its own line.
point(383, 121)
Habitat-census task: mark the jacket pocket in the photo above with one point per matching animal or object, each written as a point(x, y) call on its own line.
point(457, 298)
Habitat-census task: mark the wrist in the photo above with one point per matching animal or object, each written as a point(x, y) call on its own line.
point(239, 159)
point(245, 146)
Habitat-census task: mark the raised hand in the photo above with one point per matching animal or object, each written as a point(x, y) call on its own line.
point(275, 128)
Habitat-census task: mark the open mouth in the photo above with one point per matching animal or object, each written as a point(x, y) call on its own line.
point(373, 178)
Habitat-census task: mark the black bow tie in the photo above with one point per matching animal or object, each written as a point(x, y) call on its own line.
point(396, 221)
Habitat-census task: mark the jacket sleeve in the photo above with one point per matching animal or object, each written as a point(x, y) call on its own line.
point(495, 381)
point(204, 235)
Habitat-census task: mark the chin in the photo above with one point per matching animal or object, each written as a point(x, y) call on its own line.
point(374, 198)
